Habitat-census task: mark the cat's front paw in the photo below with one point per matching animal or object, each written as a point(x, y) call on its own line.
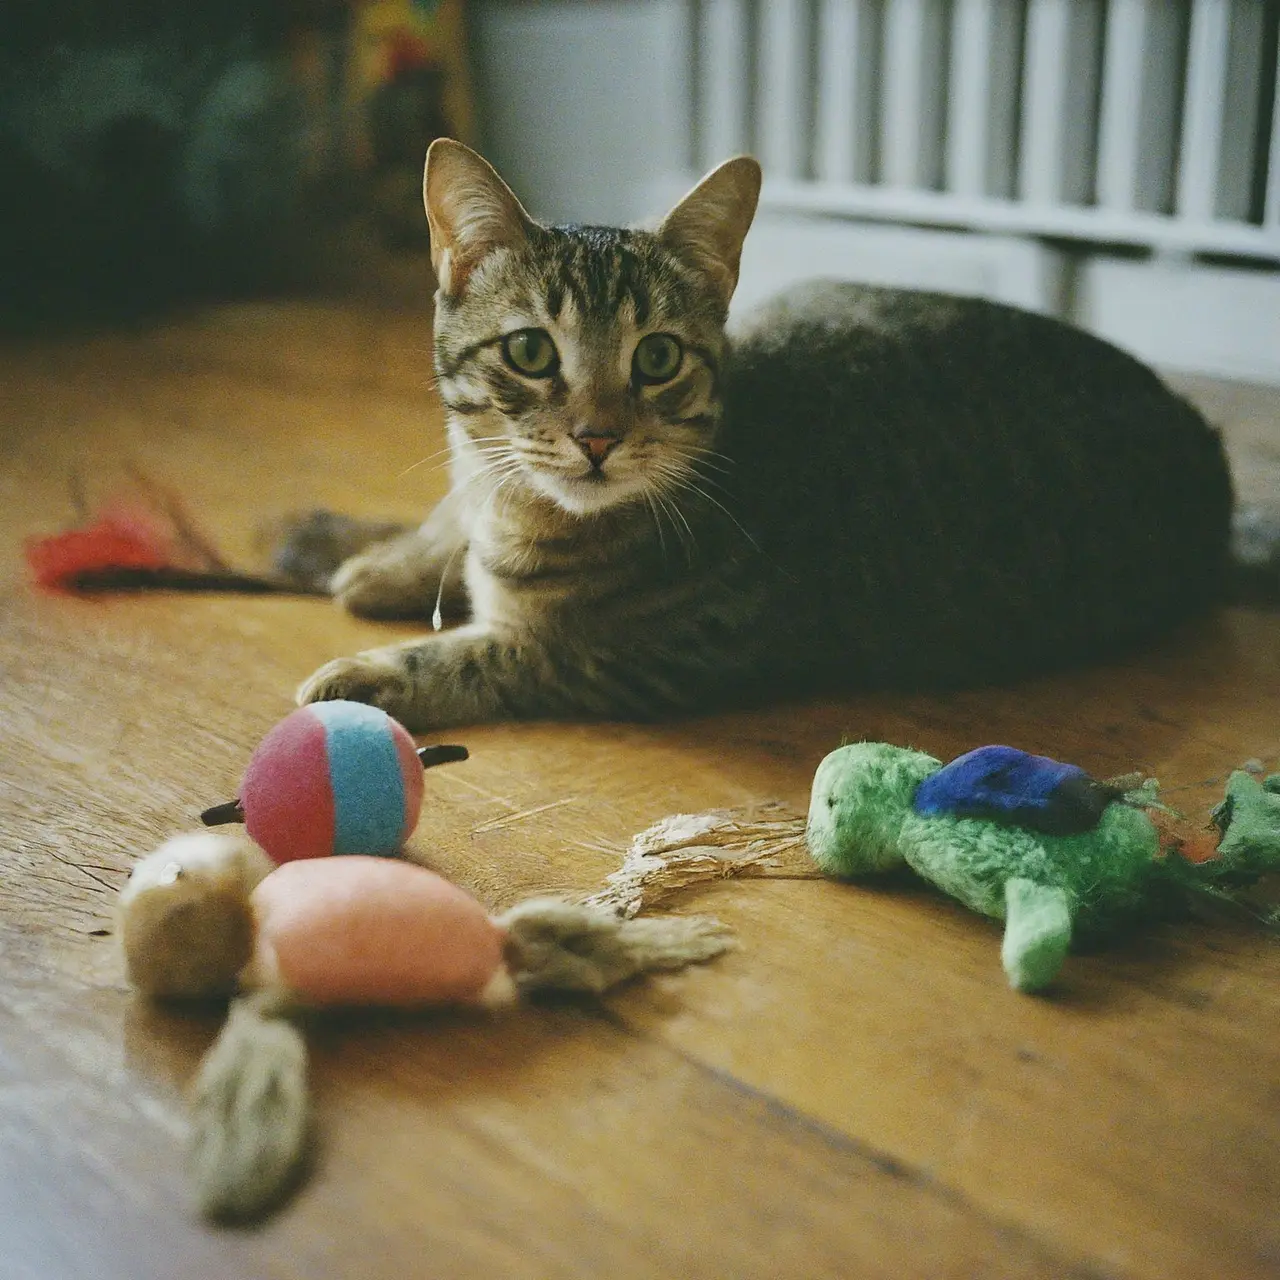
point(368, 677)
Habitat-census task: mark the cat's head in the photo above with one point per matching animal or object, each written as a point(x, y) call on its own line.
point(581, 363)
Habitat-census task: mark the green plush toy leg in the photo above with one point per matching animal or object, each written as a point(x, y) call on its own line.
point(1037, 933)
point(1250, 820)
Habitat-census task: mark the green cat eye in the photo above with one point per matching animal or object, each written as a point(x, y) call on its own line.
point(531, 352)
point(657, 357)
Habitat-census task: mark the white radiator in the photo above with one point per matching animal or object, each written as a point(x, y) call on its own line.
point(1137, 122)
point(1097, 147)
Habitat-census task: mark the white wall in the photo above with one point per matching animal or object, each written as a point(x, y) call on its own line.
point(582, 106)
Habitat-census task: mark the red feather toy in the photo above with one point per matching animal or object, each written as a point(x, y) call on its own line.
point(142, 539)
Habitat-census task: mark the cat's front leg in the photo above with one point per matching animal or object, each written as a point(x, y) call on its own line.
point(406, 575)
point(465, 676)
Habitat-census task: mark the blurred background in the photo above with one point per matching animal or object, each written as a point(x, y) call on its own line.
point(158, 153)
point(1116, 162)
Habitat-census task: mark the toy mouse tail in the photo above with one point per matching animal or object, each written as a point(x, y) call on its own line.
point(576, 947)
point(432, 756)
point(251, 1111)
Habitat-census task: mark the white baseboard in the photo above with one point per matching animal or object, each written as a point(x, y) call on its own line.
point(783, 249)
point(1220, 321)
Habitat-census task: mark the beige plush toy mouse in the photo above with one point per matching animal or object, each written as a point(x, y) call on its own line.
point(209, 914)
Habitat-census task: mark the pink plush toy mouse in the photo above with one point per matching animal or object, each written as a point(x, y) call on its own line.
point(210, 914)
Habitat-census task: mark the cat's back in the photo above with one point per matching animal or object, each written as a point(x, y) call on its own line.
point(835, 336)
point(985, 488)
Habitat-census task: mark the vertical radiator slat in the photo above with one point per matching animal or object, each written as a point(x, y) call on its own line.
point(1271, 206)
point(783, 57)
point(1082, 86)
point(903, 88)
point(836, 155)
point(1202, 117)
point(1121, 104)
point(1004, 93)
point(1044, 79)
point(970, 105)
point(1242, 112)
point(723, 79)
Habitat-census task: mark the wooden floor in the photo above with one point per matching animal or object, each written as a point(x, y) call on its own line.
point(854, 1092)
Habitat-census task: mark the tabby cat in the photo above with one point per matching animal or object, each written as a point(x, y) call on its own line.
point(863, 487)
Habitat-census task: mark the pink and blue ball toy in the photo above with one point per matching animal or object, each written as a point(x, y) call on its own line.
point(333, 778)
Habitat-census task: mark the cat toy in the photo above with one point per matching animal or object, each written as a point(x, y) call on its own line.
point(1054, 854)
point(333, 778)
point(209, 914)
point(267, 917)
point(142, 537)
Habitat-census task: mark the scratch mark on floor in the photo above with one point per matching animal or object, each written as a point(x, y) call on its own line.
point(507, 819)
point(491, 796)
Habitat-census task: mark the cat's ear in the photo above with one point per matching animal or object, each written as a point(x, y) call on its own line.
point(470, 211)
point(708, 226)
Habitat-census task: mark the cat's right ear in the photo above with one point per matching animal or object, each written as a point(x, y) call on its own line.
point(470, 211)
point(709, 225)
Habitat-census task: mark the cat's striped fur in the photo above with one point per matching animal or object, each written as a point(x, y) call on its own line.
point(866, 486)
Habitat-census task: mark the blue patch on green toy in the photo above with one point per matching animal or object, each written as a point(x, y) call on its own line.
point(1008, 785)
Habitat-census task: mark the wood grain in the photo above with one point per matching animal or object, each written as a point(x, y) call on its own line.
point(852, 1092)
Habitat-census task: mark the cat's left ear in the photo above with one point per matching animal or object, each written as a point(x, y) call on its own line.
point(470, 210)
point(708, 226)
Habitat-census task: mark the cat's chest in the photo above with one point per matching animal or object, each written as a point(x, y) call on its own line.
point(511, 576)
point(518, 579)
point(513, 554)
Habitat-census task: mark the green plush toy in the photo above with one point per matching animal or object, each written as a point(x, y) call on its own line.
point(1037, 844)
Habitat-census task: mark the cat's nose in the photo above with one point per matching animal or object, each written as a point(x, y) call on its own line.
point(597, 445)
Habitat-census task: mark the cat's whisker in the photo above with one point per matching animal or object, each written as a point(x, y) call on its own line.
point(691, 470)
point(500, 468)
point(684, 482)
point(495, 474)
point(514, 447)
point(494, 454)
point(494, 451)
point(703, 462)
point(492, 443)
point(657, 524)
point(422, 462)
point(715, 502)
point(486, 446)
point(687, 538)
point(729, 461)
point(680, 526)
point(694, 461)
point(715, 484)
point(498, 488)
point(491, 451)
point(703, 458)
